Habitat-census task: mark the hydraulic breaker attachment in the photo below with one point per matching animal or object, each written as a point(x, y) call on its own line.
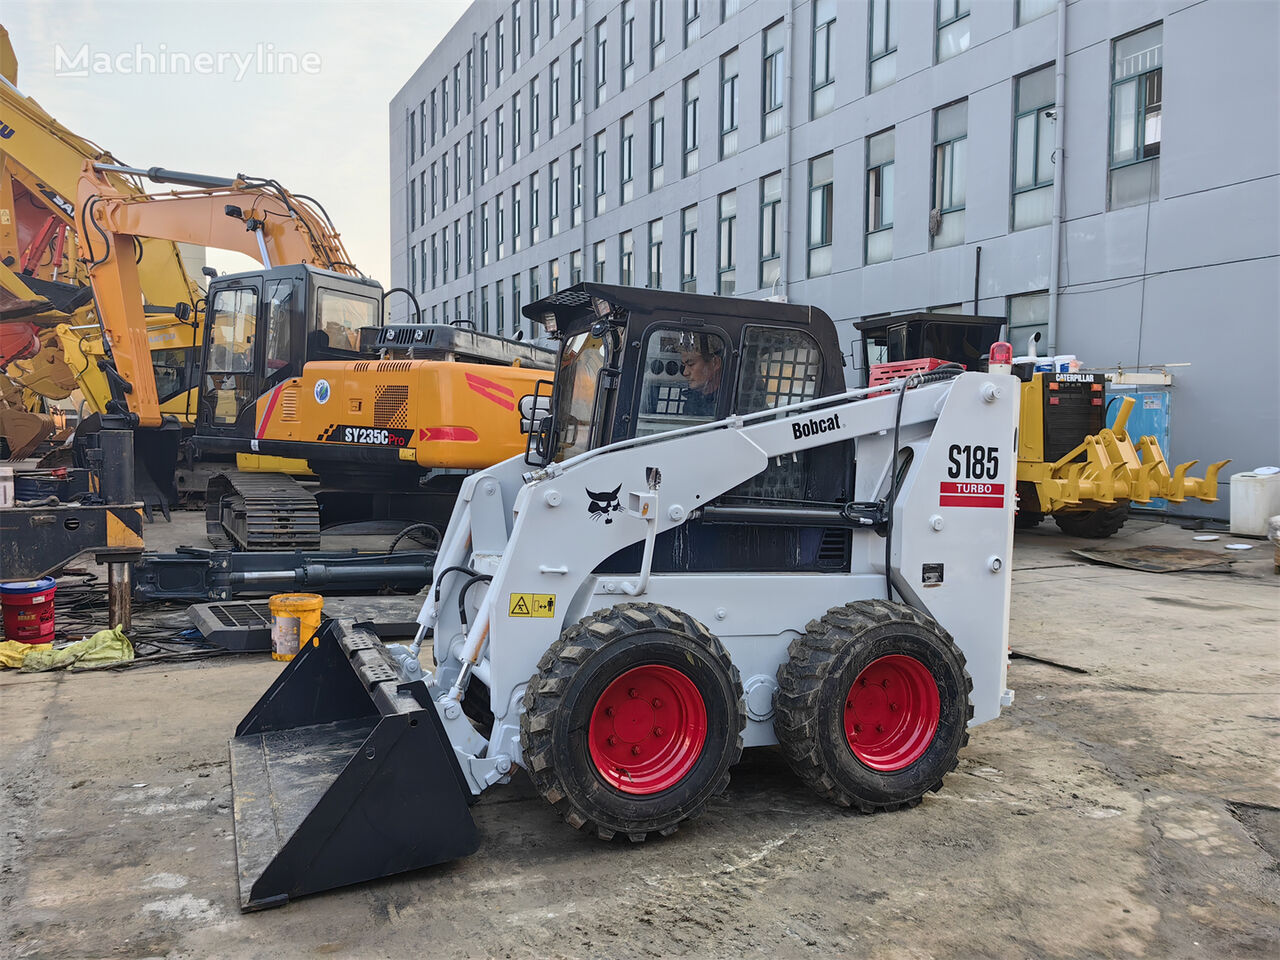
point(342, 773)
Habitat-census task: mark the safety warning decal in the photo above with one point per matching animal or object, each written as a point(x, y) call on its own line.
point(971, 495)
point(531, 605)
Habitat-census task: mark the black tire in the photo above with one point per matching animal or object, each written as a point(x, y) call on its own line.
point(564, 697)
point(816, 689)
point(1024, 520)
point(1093, 524)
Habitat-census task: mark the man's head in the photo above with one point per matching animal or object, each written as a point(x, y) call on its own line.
point(702, 362)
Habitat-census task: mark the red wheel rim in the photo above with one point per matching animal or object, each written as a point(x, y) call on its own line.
point(891, 713)
point(647, 730)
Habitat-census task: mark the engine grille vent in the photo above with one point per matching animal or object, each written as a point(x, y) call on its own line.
point(391, 406)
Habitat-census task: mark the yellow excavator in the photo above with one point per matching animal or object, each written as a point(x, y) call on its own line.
point(296, 374)
point(50, 340)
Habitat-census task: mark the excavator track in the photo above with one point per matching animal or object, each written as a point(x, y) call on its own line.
point(261, 511)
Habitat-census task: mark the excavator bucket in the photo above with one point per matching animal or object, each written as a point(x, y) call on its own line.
point(342, 773)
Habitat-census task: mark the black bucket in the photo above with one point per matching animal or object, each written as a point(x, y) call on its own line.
point(341, 773)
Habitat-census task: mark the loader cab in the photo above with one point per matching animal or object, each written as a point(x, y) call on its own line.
point(955, 338)
point(262, 326)
point(634, 362)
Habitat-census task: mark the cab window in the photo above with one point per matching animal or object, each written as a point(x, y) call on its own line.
point(278, 339)
point(682, 384)
point(235, 315)
point(339, 317)
point(779, 367)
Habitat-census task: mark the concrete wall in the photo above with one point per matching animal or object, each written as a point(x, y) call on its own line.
point(1190, 277)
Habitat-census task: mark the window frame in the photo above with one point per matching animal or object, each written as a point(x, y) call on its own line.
point(828, 27)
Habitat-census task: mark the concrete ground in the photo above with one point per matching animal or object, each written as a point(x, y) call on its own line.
point(1127, 805)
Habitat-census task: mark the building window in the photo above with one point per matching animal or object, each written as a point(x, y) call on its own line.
point(553, 93)
point(413, 135)
point(689, 249)
point(444, 106)
point(823, 69)
point(884, 44)
point(484, 150)
point(553, 269)
point(517, 234)
point(500, 135)
point(597, 262)
point(655, 254)
point(535, 26)
point(1029, 10)
point(575, 82)
point(575, 186)
point(457, 171)
point(435, 263)
point(457, 245)
point(1033, 122)
point(575, 9)
point(821, 213)
point(554, 195)
point(535, 209)
point(729, 104)
point(627, 169)
point(484, 309)
point(471, 72)
point(626, 259)
point(555, 17)
point(515, 36)
point(1028, 315)
point(774, 93)
point(470, 243)
point(444, 254)
point(953, 28)
point(628, 43)
point(471, 306)
point(770, 229)
point(950, 130)
point(728, 8)
point(602, 200)
point(432, 101)
point(413, 267)
point(484, 67)
point(499, 225)
point(690, 161)
point(484, 234)
point(727, 254)
point(413, 203)
point(657, 32)
point(575, 267)
point(692, 21)
point(515, 304)
point(423, 259)
point(534, 288)
point(1136, 88)
point(501, 327)
point(602, 63)
point(498, 53)
point(444, 180)
point(457, 93)
point(535, 114)
point(657, 142)
point(515, 128)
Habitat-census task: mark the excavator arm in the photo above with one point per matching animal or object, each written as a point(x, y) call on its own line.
point(258, 218)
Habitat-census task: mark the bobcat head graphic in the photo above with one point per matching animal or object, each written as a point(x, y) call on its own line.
point(603, 504)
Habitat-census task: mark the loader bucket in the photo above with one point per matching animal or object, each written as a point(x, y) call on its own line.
point(341, 773)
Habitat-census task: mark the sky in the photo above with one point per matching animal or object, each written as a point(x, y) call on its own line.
point(317, 122)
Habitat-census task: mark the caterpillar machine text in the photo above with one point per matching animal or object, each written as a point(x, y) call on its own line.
point(708, 545)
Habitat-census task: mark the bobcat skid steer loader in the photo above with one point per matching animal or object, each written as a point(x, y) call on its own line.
point(709, 545)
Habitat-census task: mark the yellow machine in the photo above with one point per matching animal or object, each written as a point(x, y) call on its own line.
point(1070, 464)
point(292, 377)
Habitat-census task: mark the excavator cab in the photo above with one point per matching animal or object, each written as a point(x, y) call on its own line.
point(261, 327)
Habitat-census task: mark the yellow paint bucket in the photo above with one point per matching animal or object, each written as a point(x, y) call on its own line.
point(295, 617)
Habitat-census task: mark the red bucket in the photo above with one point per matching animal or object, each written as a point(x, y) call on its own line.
point(28, 610)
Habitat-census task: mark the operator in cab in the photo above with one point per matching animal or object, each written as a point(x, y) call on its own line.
point(702, 362)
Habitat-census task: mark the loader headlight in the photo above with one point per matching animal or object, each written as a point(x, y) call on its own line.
point(602, 308)
point(549, 322)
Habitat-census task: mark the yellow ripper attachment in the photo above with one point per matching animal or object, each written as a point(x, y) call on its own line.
point(1113, 469)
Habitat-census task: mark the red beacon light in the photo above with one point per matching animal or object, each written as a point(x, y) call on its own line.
point(1000, 360)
